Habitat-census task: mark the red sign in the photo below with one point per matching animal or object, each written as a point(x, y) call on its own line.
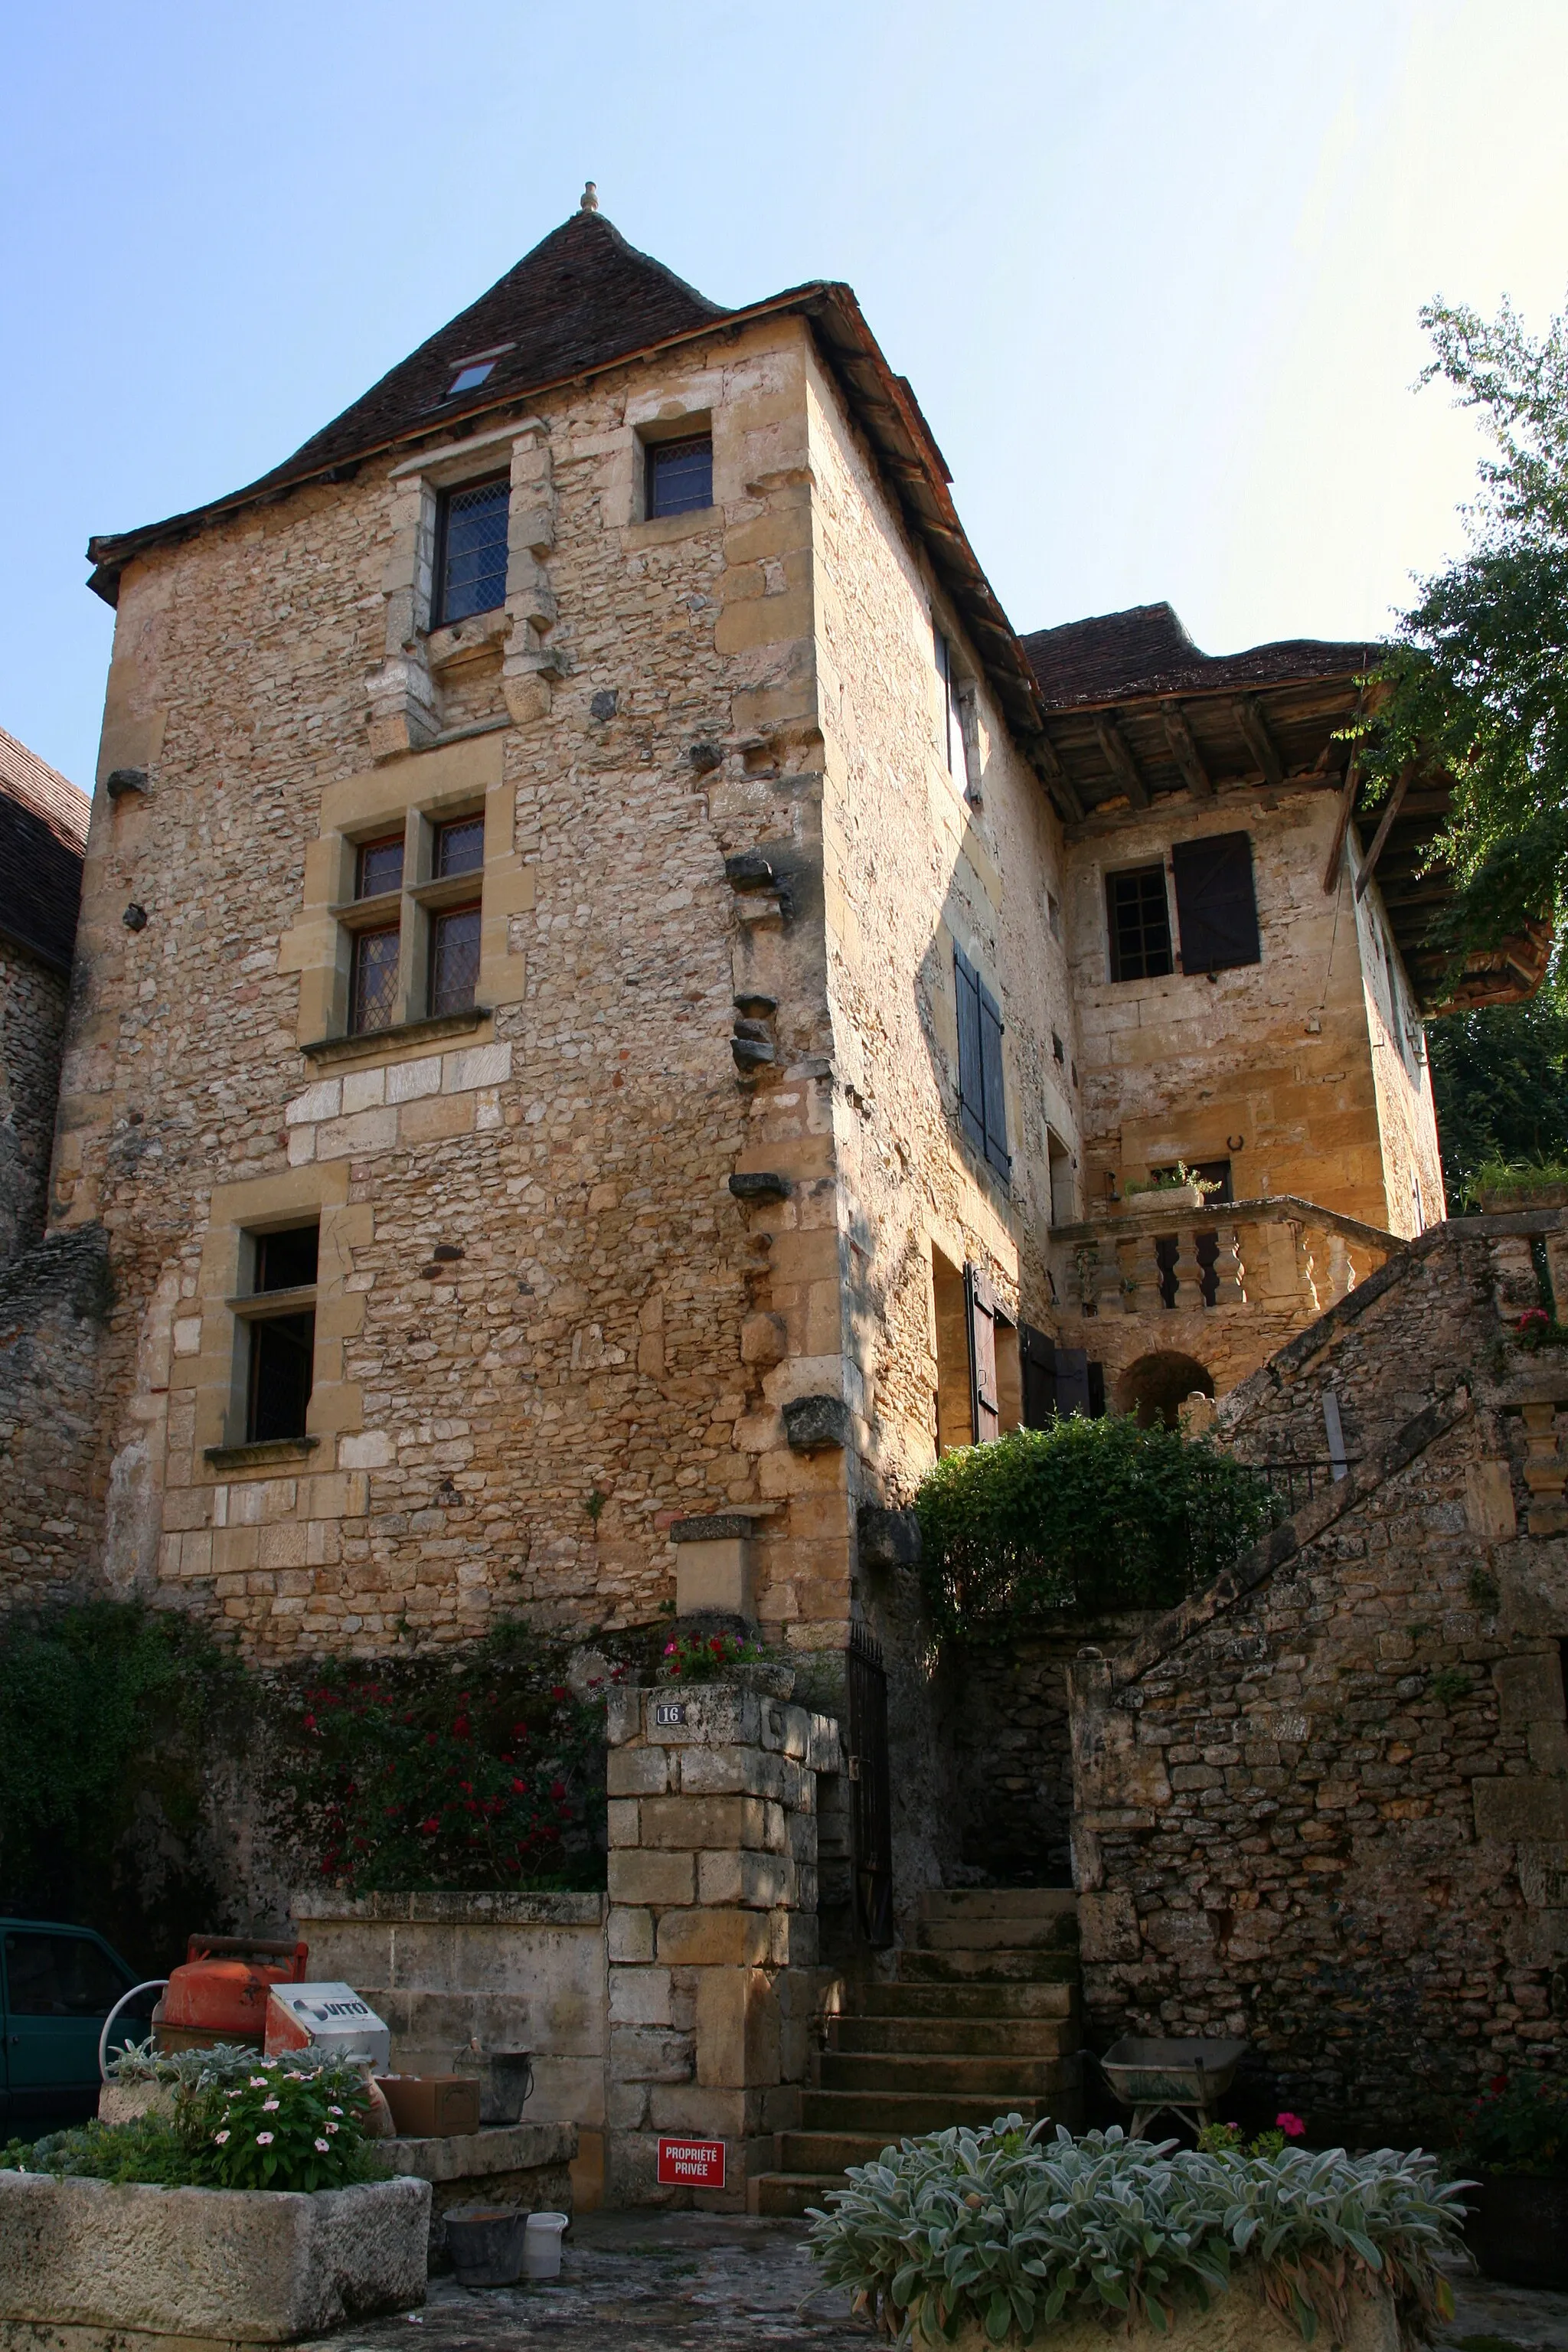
point(692, 2163)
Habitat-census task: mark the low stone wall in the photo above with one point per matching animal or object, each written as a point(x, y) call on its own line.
point(527, 2166)
point(714, 1974)
point(458, 1977)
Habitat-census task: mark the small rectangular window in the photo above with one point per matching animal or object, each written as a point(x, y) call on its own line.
point(1140, 923)
point(373, 995)
point(1216, 903)
point(952, 714)
point(287, 1261)
point(453, 959)
point(679, 476)
point(982, 1098)
point(282, 1347)
point(470, 556)
point(459, 847)
point(379, 867)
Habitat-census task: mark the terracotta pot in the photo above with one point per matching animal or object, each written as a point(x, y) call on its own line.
point(1518, 2229)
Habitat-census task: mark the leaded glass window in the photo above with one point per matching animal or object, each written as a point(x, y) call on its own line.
point(471, 563)
point(459, 846)
point(375, 993)
point(379, 866)
point(679, 477)
point(453, 959)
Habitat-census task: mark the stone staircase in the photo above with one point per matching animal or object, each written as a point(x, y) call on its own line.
point(981, 2019)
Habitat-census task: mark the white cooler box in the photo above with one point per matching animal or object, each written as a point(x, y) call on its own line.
point(331, 2018)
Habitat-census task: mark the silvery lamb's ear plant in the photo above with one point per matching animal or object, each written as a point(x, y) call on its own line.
point(1002, 2228)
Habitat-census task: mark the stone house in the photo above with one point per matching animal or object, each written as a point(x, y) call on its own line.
point(43, 834)
point(619, 1005)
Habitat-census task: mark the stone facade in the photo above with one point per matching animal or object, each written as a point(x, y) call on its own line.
point(1325, 1805)
point(42, 829)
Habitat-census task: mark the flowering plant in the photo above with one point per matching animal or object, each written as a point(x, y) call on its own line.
point(1227, 2140)
point(1536, 1328)
point(488, 1772)
point(706, 1659)
point(1520, 2124)
point(273, 2129)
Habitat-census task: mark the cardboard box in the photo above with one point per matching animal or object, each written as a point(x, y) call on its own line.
point(432, 2107)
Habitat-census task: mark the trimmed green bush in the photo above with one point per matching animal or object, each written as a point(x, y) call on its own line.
point(1011, 2233)
point(1085, 1515)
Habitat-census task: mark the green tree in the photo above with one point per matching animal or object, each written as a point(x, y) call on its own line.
point(1475, 678)
point(1500, 1079)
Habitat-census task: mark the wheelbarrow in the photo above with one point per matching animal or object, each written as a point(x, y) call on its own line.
point(1149, 2074)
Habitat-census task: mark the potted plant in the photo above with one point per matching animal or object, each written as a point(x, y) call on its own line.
point(725, 1658)
point(1499, 1185)
point(1176, 1189)
point(982, 2238)
point(251, 2207)
point(1515, 2141)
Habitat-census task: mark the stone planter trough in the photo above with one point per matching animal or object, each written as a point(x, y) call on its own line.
point(1240, 2321)
point(223, 2265)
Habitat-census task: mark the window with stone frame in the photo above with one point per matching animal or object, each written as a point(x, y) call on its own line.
point(679, 476)
point(470, 551)
point(280, 1356)
point(373, 987)
point(453, 959)
point(1138, 918)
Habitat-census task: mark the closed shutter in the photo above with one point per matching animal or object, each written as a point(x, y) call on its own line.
point(1216, 905)
point(1038, 1356)
point(996, 1115)
point(980, 1307)
point(971, 1083)
point(1072, 1380)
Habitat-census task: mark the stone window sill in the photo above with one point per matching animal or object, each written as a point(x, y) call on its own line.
point(664, 528)
point(375, 1043)
point(260, 1457)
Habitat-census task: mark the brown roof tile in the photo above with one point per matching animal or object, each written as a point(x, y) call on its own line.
point(1117, 657)
point(43, 834)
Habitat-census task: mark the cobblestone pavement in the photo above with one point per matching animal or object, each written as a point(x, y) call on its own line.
point(640, 2283)
point(696, 2282)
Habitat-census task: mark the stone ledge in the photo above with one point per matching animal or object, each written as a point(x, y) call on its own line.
point(475, 2155)
point(326, 1051)
point(261, 1455)
point(553, 1909)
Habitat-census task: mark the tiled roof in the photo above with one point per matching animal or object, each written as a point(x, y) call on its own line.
point(43, 834)
point(581, 298)
point(1117, 657)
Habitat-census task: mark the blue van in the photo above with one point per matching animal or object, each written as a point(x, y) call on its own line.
point(58, 1984)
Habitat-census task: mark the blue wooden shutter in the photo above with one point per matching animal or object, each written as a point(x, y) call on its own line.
point(995, 1110)
point(970, 1080)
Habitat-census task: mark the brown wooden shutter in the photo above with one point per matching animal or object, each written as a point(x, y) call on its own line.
point(1215, 903)
point(970, 1084)
point(1038, 1356)
point(980, 1307)
point(1072, 1380)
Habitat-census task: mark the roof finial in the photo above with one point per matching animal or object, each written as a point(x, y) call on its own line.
point(588, 202)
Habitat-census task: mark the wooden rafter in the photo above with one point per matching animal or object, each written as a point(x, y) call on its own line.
point(1063, 790)
point(1348, 791)
point(1385, 826)
point(1256, 735)
point(1185, 753)
point(1118, 758)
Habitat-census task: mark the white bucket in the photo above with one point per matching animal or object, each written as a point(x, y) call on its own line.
point(541, 2244)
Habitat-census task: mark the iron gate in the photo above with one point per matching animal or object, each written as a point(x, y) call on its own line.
point(870, 1802)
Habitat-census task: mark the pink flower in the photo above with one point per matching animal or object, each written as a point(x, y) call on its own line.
point(269, 2107)
point(258, 2082)
point(335, 2111)
point(324, 2146)
point(332, 2127)
point(264, 2139)
point(670, 1649)
point(220, 2137)
point(1291, 2125)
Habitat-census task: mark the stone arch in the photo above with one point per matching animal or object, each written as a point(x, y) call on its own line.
point(1156, 1387)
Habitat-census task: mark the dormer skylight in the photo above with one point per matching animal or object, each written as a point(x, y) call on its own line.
point(471, 373)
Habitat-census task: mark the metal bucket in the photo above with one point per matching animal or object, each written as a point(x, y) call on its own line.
point(506, 2086)
point(486, 2243)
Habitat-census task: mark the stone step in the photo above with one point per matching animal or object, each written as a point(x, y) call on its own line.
point(996, 1901)
point(1047, 1931)
point(1009, 2080)
point(793, 2193)
point(901, 2114)
point(1055, 1997)
point(812, 2155)
point(956, 2037)
point(1009, 1967)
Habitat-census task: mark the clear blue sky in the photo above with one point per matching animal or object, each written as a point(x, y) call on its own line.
point(1152, 269)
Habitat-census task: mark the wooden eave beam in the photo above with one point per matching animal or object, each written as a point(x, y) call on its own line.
point(1256, 735)
point(1348, 792)
point(1369, 864)
point(1059, 784)
point(1119, 757)
point(1185, 753)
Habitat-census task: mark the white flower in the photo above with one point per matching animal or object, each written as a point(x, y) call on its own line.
point(264, 2139)
point(332, 2127)
point(269, 2107)
point(220, 2137)
point(335, 2111)
point(324, 2146)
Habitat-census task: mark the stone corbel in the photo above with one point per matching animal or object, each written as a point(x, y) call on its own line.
point(531, 663)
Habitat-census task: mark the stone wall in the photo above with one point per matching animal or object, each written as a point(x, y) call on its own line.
point(54, 1308)
point(1325, 1805)
point(33, 999)
point(458, 1978)
point(714, 1978)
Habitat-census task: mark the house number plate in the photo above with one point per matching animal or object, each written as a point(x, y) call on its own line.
point(669, 1710)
